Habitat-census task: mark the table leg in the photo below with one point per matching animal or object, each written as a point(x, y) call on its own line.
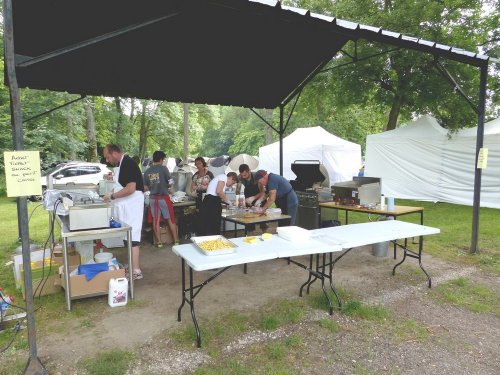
point(330, 304)
point(67, 290)
point(131, 263)
point(339, 300)
point(315, 277)
point(183, 289)
point(193, 314)
point(310, 275)
point(413, 254)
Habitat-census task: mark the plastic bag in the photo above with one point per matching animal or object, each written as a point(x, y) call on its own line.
point(91, 270)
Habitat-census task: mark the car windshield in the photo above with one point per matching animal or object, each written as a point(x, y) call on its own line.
point(49, 171)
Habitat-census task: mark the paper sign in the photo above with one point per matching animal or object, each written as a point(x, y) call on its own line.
point(22, 173)
point(482, 159)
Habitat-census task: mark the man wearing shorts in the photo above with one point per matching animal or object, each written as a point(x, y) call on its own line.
point(157, 182)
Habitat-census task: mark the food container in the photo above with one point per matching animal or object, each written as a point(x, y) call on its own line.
point(273, 212)
point(214, 245)
point(294, 233)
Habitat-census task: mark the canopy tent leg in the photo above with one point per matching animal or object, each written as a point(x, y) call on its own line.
point(474, 248)
point(34, 366)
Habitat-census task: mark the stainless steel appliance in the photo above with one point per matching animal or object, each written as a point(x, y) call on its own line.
point(363, 191)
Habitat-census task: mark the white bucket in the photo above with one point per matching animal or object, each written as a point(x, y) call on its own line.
point(103, 257)
point(118, 292)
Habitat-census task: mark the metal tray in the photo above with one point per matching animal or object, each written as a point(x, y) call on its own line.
point(200, 239)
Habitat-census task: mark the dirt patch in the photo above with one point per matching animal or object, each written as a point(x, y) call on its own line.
point(459, 341)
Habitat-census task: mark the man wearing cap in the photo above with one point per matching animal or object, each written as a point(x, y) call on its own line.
point(280, 192)
point(157, 181)
point(211, 209)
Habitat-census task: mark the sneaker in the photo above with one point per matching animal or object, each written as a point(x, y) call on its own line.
point(159, 244)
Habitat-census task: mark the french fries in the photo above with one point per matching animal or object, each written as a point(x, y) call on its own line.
point(212, 245)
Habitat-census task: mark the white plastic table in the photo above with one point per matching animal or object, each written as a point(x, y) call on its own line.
point(325, 241)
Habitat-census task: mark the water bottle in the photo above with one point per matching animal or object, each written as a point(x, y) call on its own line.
point(5, 301)
point(113, 223)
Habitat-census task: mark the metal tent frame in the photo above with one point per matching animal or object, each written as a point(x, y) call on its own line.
point(227, 52)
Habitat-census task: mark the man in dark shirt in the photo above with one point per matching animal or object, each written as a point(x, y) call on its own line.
point(254, 193)
point(127, 198)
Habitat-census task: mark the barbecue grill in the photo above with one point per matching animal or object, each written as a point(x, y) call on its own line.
point(311, 175)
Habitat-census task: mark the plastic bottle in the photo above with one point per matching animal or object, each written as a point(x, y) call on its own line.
point(5, 300)
point(382, 202)
point(118, 292)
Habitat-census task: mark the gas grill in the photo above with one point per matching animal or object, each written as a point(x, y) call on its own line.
point(311, 174)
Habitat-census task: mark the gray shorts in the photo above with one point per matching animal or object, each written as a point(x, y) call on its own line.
point(162, 207)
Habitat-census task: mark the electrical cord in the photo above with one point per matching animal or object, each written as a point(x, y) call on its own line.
point(16, 329)
point(44, 278)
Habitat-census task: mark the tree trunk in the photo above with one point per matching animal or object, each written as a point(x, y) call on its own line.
point(268, 115)
point(143, 132)
point(71, 132)
point(186, 132)
point(119, 120)
point(394, 114)
point(91, 138)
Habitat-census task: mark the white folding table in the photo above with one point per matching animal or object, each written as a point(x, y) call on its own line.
point(323, 241)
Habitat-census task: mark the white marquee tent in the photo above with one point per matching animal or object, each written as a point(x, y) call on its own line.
point(341, 158)
point(420, 161)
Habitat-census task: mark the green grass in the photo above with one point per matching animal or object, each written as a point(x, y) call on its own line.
point(475, 297)
point(114, 362)
point(409, 330)
point(368, 312)
point(329, 325)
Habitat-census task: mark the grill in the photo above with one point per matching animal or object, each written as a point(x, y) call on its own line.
point(310, 175)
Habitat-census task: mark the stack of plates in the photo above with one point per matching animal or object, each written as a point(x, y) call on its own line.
point(294, 233)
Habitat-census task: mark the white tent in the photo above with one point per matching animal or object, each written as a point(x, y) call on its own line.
point(342, 159)
point(421, 161)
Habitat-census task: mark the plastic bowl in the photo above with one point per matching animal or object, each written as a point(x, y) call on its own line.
point(103, 257)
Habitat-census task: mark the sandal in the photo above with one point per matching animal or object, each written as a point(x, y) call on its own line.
point(138, 275)
point(159, 244)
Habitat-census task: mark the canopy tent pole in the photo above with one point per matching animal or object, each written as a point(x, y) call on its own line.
point(474, 248)
point(34, 365)
point(282, 130)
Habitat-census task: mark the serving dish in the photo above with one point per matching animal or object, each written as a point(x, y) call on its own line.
point(214, 245)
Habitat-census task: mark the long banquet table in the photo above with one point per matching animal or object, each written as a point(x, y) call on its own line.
point(323, 242)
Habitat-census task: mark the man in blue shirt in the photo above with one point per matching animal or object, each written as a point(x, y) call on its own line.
point(280, 192)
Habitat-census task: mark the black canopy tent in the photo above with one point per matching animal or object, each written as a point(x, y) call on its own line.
point(255, 54)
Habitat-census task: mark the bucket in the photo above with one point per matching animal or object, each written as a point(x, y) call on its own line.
point(103, 257)
point(380, 249)
point(118, 292)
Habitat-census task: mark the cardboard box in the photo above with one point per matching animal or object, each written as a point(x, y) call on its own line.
point(165, 236)
point(43, 275)
point(73, 258)
point(80, 287)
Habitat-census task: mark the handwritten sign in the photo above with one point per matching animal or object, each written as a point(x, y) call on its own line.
point(482, 159)
point(22, 173)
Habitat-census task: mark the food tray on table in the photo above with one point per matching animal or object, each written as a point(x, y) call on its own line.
point(214, 245)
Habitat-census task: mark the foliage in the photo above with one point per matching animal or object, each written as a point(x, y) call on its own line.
point(350, 101)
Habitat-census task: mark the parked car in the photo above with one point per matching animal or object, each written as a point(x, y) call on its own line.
point(76, 172)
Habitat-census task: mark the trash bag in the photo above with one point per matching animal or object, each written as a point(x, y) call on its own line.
point(330, 223)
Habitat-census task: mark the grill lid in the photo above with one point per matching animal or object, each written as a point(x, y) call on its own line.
point(308, 171)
